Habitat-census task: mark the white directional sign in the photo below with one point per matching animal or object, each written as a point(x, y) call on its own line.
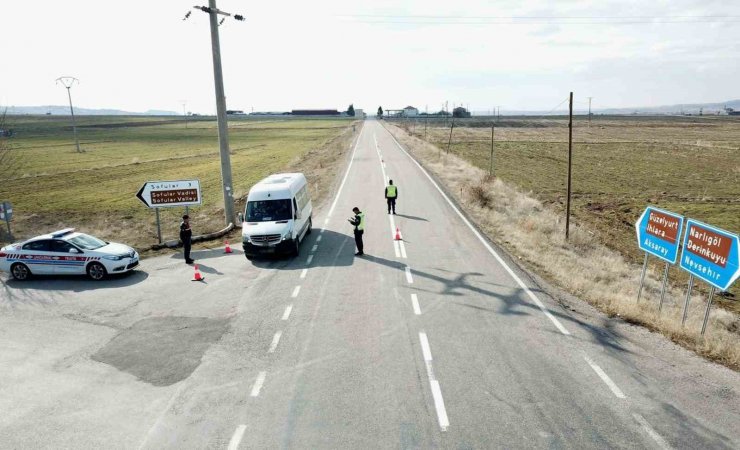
point(159, 194)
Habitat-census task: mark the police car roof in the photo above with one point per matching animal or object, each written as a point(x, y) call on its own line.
point(60, 234)
point(279, 185)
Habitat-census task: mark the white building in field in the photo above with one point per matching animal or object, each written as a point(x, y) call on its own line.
point(410, 111)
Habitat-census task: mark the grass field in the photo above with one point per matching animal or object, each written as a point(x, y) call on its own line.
point(50, 184)
point(689, 165)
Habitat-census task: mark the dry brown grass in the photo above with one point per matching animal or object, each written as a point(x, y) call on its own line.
point(582, 265)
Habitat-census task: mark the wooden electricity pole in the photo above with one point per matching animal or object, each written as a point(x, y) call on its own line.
point(570, 154)
point(490, 171)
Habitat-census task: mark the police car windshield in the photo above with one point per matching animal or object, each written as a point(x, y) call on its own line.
point(269, 210)
point(87, 242)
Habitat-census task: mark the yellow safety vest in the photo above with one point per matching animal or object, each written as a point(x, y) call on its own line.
point(391, 190)
point(361, 226)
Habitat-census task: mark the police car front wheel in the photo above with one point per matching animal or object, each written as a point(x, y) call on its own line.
point(20, 272)
point(96, 271)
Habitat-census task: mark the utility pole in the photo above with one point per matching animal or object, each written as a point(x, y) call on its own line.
point(426, 119)
point(449, 142)
point(490, 171)
point(184, 112)
point(68, 82)
point(223, 131)
point(570, 154)
point(589, 112)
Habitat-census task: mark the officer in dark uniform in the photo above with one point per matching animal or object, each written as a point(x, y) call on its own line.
point(186, 235)
point(359, 222)
point(391, 194)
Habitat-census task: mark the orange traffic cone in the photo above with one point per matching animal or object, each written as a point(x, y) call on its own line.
point(198, 276)
point(398, 234)
point(228, 248)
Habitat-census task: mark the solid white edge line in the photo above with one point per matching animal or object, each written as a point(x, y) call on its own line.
point(605, 378)
point(286, 314)
point(408, 275)
point(651, 432)
point(296, 291)
point(415, 304)
point(258, 384)
point(425, 349)
point(237, 437)
point(488, 247)
point(396, 250)
point(403, 249)
point(346, 174)
point(304, 272)
point(275, 342)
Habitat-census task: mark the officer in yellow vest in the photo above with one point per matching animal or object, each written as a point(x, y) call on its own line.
point(359, 222)
point(391, 194)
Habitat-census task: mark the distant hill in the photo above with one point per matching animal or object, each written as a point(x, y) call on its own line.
point(686, 108)
point(693, 108)
point(64, 111)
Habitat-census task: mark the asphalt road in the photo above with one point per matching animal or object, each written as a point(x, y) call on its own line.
point(436, 341)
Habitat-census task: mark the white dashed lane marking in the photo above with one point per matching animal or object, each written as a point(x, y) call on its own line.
point(605, 378)
point(408, 275)
point(258, 384)
point(439, 402)
point(286, 314)
point(415, 304)
point(296, 291)
point(237, 437)
point(275, 341)
point(308, 261)
point(315, 247)
point(651, 432)
point(304, 272)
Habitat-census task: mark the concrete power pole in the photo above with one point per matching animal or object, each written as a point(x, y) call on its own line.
point(589, 111)
point(223, 132)
point(67, 82)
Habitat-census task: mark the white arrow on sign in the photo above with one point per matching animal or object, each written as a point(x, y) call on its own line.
point(162, 194)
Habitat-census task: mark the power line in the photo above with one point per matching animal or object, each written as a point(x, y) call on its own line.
point(539, 20)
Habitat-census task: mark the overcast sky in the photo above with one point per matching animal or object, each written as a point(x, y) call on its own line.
point(520, 54)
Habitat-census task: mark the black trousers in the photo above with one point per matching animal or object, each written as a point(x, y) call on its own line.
point(358, 240)
point(186, 248)
point(391, 204)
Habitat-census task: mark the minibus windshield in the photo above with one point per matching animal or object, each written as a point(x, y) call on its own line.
point(269, 210)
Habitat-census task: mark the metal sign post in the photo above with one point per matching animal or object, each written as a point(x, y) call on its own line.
point(6, 214)
point(159, 226)
point(688, 297)
point(642, 277)
point(706, 313)
point(665, 284)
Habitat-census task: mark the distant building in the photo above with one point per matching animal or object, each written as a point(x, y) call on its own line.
point(410, 111)
point(315, 112)
point(235, 112)
point(359, 114)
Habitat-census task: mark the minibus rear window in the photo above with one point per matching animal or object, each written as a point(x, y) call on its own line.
point(269, 210)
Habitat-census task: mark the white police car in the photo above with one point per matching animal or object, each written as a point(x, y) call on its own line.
point(67, 252)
